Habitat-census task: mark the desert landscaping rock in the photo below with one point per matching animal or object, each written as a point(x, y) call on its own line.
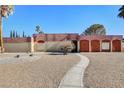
point(47, 71)
point(106, 70)
point(12, 60)
point(73, 78)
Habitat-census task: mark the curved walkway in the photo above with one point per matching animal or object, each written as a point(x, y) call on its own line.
point(74, 77)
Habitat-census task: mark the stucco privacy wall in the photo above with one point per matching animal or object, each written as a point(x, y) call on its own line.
point(51, 46)
point(17, 44)
point(17, 47)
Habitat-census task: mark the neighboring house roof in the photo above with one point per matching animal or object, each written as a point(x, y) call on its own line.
point(17, 40)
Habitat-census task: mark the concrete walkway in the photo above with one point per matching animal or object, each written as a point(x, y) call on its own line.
point(74, 77)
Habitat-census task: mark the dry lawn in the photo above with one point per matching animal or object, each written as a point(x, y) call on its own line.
point(106, 70)
point(44, 72)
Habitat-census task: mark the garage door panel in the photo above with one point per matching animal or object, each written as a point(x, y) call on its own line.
point(95, 46)
point(116, 46)
point(84, 46)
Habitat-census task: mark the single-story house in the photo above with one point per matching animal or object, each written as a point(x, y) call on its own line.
point(53, 42)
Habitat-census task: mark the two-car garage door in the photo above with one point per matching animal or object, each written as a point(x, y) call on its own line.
point(84, 46)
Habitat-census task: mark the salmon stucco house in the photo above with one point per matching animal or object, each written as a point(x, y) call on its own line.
point(53, 42)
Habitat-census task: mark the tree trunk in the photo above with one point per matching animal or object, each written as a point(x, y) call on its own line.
point(1, 38)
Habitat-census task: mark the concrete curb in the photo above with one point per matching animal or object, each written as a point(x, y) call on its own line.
point(74, 77)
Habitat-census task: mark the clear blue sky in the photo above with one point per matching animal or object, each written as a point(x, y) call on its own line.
point(63, 19)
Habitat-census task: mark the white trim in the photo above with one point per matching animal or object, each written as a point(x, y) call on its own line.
point(78, 46)
point(122, 45)
point(100, 45)
point(111, 45)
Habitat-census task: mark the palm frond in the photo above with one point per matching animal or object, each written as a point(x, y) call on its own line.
point(122, 8)
point(121, 14)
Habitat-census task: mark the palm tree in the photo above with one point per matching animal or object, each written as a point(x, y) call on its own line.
point(38, 30)
point(5, 11)
point(121, 13)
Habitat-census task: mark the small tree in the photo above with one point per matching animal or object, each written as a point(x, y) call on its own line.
point(14, 35)
point(11, 35)
point(23, 34)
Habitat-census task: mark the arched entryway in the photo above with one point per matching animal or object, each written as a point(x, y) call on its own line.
point(116, 46)
point(84, 46)
point(95, 46)
point(106, 46)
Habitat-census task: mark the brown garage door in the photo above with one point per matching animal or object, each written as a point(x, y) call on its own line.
point(84, 46)
point(116, 46)
point(95, 46)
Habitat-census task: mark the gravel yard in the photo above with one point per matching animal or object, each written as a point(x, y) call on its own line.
point(106, 70)
point(42, 70)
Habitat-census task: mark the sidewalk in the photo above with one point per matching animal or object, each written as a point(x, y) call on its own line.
point(74, 77)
